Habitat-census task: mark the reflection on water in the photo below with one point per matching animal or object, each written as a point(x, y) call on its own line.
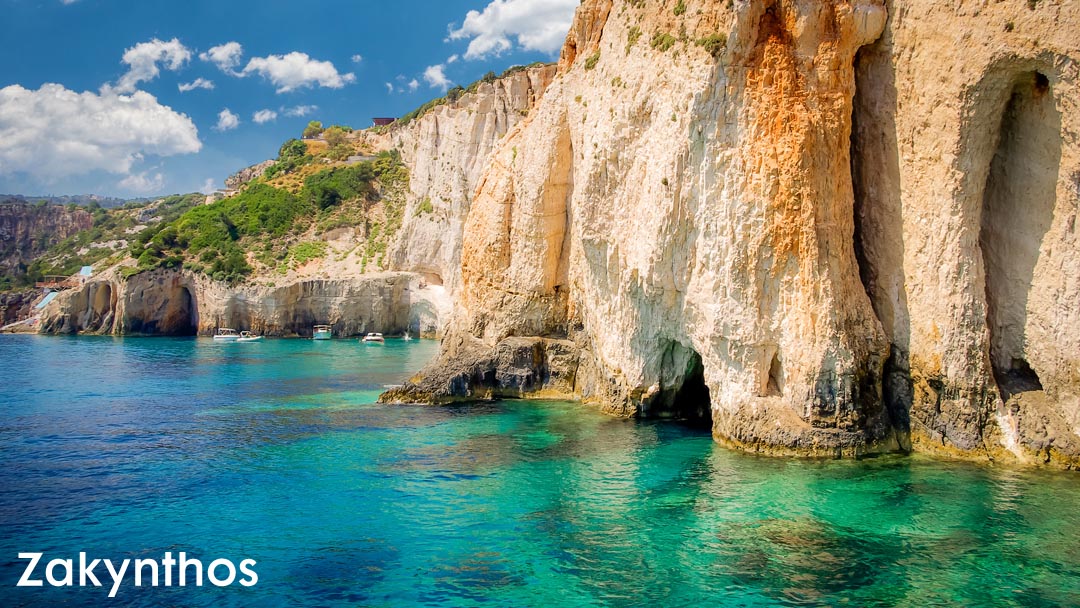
point(276, 451)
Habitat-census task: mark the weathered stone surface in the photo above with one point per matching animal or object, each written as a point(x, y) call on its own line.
point(27, 230)
point(689, 215)
point(967, 171)
point(516, 367)
point(17, 305)
point(446, 151)
point(183, 303)
point(247, 174)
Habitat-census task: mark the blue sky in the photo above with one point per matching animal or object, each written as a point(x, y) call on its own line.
point(90, 90)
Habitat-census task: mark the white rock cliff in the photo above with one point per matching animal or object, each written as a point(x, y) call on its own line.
point(679, 228)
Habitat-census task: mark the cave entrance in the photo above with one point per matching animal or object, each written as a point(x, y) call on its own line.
point(1018, 207)
point(684, 395)
point(181, 316)
point(101, 308)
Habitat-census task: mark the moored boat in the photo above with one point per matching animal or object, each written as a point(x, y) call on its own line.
point(322, 332)
point(224, 334)
point(247, 336)
point(373, 338)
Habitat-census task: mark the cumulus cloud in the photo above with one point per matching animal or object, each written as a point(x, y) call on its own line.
point(225, 56)
point(389, 87)
point(143, 183)
point(299, 111)
point(296, 71)
point(227, 121)
point(537, 25)
point(436, 78)
point(198, 83)
point(413, 85)
point(143, 59)
point(357, 58)
point(54, 132)
point(264, 116)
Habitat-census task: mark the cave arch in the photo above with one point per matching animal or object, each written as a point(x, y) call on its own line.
point(101, 306)
point(181, 316)
point(683, 393)
point(1017, 210)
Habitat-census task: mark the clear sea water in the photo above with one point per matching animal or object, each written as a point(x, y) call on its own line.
point(276, 451)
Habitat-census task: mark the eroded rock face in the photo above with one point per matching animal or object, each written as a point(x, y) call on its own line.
point(685, 213)
point(967, 171)
point(27, 231)
point(446, 151)
point(247, 174)
point(177, 303)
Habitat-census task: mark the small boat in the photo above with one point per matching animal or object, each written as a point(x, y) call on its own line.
point(373, 338)
point(406, 337)
point(247, 336)
point(224, 334)
point(322, 332)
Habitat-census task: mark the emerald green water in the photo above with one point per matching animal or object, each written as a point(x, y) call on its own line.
point(276, 452)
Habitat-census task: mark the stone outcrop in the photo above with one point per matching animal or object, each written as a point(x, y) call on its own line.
point(685, 217)
point(17, 305)
point(446, 151)
point(180, 303)
point(247, 174)
point(28, 230)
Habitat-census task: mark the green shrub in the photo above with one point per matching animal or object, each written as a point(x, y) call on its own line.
point(302, 253)
point(714, 44)
point(662, 41)
point(680, 8)
point(313, 129)
point(632, 37)
point(329, 188)
point(425, 207)
point(592, 60)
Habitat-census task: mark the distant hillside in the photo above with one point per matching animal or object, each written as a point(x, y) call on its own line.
point(82, 200)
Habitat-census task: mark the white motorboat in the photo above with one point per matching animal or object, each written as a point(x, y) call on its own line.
point(322, 332)
point(373, 338)
point(247, 336)
point(224, 334)
point(406, 337)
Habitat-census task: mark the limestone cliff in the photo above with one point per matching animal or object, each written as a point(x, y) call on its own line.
point(180, 303)
point(675, 229)
point(446, 151)
point(27, 230)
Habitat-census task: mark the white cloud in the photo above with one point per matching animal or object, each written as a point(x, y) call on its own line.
point(143, 59)
point(55, 132)
point(143, 183)
point(264, 116)
point(198, 83)
point(209, 186)
point(453, 58)
point(299, 111)
point(227, 121)
point(225, 56)
point(357, 58)
point(413, 85)
point(538, 25)
point(297, 70)
point(435, 77)
point(68, 1)
point(389, 87)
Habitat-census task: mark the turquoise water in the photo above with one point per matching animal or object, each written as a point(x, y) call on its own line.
point(275, 451)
